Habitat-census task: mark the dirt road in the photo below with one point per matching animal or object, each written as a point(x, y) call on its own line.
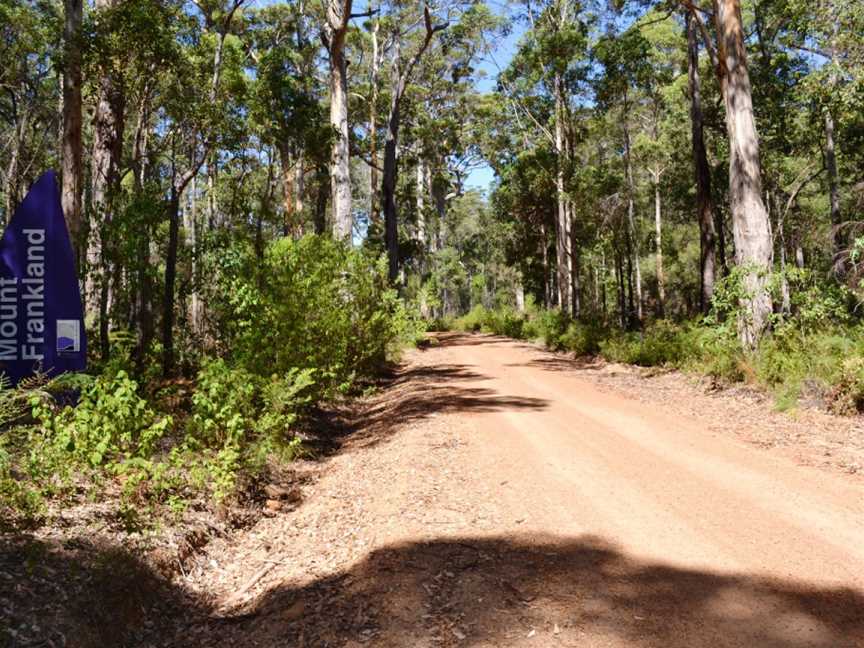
point(507, 501)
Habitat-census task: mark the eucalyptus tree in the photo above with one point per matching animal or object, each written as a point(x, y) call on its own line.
point(286, 101)
point(445, 120)
point(402, 67)
point(653, 144)
point(621, 88)
point(337, 17)
point(202, 106)
point(108, 125)
point(751, 229)
point(71, 147)
point(541, 83)
point(701, 170)
point(830, 31)
point(129, 42)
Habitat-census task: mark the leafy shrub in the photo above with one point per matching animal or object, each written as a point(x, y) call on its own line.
point(473, 320)
point(815, 305)
point(241, 419)
point(110, 423)
point(661, 344)
point(582, 339)
point(504, 322)
point(20, 502)
point(552, 325)
point(303, 323)
point(312, 304)
point(780, 360)
point(440, 324)
point(715, 351)
point(847, 394)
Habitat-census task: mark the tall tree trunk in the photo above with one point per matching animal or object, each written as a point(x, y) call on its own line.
point(720, 228)
point(71, 144)
point(190, 227)
point(170, 281)
point(399, 80)
point(299, 189)
point(321, 201)
point(178, 186)
point(144, 293)
point(289, 223)
point(750, 225)
point(632, 236)
point(212, 172)
point(374, 211)
point(834, 193)
point(438, 191)
point(573, 265)
point(623, 311)
point(562, 234)
point(12, 187)
point(388, 189)
point(338, 15)
point(603, 275)
point(146, 324)
point(544, 249)
point(704, 205)
point(785, 297)
point(108, 124)
point(658, 241)
point(420, 202)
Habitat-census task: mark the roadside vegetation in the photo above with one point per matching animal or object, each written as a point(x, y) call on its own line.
point(314, 321)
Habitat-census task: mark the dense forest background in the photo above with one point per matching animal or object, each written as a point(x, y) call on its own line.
point(268, 199)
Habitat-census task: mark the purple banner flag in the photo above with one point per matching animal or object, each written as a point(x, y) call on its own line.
point(41, 316)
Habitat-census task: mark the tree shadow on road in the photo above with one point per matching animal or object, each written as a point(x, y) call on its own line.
point(508, 591)
point(549, 362)
point(459, 591)
point(412, 394)
point(460, 339)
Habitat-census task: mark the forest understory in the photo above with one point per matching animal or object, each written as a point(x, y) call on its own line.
point(423, 522)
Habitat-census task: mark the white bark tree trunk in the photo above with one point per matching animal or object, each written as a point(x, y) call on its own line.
point(420, 202)
point(750, 224)
point(562, 225)
point(631, 217)
point(108, 125)
point(834, 193)
point(658, 241)
point(338, 14)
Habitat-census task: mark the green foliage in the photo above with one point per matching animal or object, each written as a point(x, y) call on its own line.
point(847, 393)
point(313, 304)
point(552, 326)
point(111, 423)
point(18, 498)
point(306, 321)
point(239, 419)
point(472, 321)
point(500, 321)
